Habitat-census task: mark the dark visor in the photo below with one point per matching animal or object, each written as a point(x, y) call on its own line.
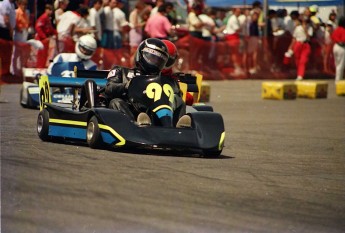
point(154, 57)
point(85, 50)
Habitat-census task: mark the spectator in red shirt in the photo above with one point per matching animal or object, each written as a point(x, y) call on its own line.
point(44, 31)
point(44, 27)
point(338, 37)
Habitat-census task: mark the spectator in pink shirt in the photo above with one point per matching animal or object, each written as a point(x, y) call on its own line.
point(158, 25)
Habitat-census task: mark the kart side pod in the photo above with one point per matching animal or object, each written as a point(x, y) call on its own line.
point(210, 130)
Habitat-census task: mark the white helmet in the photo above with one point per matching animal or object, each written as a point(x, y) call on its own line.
point(86, 47)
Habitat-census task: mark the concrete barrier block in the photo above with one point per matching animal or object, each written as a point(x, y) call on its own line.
point(279, 90)
point(205, 92)
point(312, 89)
point(340, 88)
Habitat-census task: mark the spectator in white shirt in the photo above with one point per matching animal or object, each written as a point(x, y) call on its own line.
point(155, 9)
point(7, 25)
point(120, 23)
point(137, 24)
point(107, 16)
point(232, 37)
point(208, 32)
point(328, 44)
point(84, 28)
point(289, 21)
point(60, 6)
point(209, 24)
point(95, 20)
point(71, 24)
point(194, 22)
point(300, 46)
point(69, 21)
point(7, 19)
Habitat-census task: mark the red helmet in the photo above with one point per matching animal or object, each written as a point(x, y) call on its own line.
point(173, 54)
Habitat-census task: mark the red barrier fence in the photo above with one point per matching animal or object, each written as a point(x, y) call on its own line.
point(215, 60)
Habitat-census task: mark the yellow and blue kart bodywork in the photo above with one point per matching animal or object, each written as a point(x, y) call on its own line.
point(29, 93)
point(115, 129)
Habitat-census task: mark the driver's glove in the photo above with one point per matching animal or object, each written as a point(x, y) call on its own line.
point(127, 85)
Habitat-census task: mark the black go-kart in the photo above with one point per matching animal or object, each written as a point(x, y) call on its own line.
point(100, 126)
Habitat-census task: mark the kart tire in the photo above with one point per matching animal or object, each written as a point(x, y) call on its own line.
point(93, 134)
point(212, 153)
point(205, 108)
point(43, 125)
point(21, 98)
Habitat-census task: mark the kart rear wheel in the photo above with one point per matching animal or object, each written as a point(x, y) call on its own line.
point(43, 125)
point(21, 98)
point(93, 134)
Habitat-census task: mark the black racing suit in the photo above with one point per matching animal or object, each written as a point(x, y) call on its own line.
point(116, 91)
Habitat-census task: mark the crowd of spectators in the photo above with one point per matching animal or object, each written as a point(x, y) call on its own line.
point(301, 34)
point(297, 34)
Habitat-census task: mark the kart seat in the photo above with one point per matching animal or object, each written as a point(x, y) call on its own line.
point(192, 84)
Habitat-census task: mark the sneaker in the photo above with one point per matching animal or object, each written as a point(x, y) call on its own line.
point(273, 68)
point(238, 72)
point(252, 71)
point(184, 122)
point(143, 119)
point(299, 78)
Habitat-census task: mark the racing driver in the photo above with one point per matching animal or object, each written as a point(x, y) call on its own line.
point(151, 57)
point(84, 50)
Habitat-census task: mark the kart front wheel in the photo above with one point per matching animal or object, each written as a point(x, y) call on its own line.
point(21, 98)
point(211, 153)
point(93, 134)
point(43, 125)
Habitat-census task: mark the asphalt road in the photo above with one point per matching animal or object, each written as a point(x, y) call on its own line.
point(282, 170)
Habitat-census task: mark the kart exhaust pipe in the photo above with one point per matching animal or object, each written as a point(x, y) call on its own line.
point(91, 93)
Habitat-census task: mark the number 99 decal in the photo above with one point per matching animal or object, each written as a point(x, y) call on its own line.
point(154, 91)
point(45, 96)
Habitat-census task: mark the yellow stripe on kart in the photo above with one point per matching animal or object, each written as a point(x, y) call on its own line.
point(162, 106)
point(67, 122)
point(221, 141)
point(121, 142)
